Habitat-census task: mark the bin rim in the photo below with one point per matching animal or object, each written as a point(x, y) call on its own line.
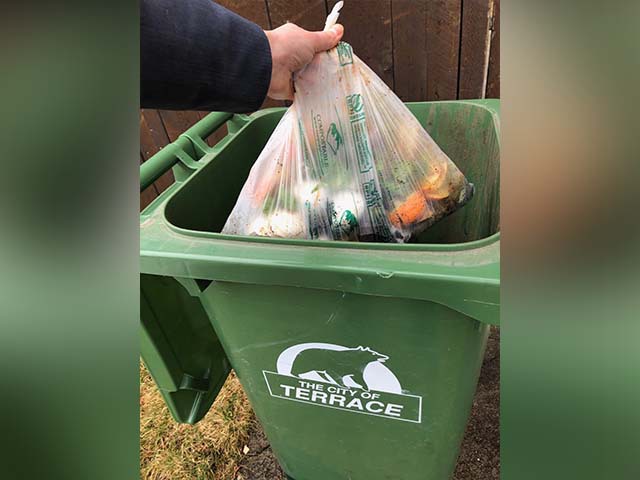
point(419, 247)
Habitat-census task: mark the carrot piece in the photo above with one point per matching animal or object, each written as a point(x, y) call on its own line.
point(413, 209)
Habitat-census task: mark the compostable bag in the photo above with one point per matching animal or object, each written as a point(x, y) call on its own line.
point(348, 161)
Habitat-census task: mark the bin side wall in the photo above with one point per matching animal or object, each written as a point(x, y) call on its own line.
point(211, 194)
point(279, 339)
point(469, 135)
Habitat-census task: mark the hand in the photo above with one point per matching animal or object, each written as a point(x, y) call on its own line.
point(292, 48)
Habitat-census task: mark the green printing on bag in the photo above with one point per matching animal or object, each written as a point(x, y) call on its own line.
point(303, 145)
point(365, 160)
point(345, 54)
point(321, 143)
point(376, 212)
point(312, 219)
point(343, 226)
point(355, 107)
point(348, 222)
point(371, 194)
point(334, 140)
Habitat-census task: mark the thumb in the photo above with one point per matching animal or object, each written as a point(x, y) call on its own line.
point(325, 40)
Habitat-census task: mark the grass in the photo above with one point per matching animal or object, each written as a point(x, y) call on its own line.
point(209, 450)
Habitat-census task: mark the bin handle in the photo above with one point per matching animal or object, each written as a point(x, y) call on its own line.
point(193, 138)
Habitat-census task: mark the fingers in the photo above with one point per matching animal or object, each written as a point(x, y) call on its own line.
point(339, 30)
point(322, 41)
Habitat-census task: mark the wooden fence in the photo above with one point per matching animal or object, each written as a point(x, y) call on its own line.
point(422, 49)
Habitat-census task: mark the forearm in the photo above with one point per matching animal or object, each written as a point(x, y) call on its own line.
point(196, 55)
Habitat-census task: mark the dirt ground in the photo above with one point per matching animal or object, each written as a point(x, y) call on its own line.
point(480, 452)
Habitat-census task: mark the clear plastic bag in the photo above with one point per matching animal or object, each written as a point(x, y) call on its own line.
point(348, 161)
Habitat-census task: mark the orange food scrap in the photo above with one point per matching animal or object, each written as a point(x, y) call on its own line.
point(416, 207)
point(413, 209)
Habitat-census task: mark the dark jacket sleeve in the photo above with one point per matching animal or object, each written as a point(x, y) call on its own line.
point(196, 55)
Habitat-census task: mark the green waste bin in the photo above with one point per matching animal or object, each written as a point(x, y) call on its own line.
point(359, 359)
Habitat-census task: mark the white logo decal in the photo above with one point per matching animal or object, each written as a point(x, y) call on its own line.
point(345, 378)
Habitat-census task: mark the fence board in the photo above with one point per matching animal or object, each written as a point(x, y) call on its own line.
point(216, 136)
point(152, 138)
point(443, 45)
point(368, 30)
point(176, 122)
point(474, 48)
point(308, 14)
point(493, 80)
point(409, 45)
point(255, 11)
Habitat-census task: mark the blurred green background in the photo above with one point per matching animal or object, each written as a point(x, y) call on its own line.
point(570, 277)
point(68, 241)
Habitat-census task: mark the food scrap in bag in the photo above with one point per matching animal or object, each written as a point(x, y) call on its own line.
point(348, 161)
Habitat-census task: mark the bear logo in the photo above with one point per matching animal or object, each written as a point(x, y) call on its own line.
point(361, 368)
point(335, 366)
point(342, 377)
